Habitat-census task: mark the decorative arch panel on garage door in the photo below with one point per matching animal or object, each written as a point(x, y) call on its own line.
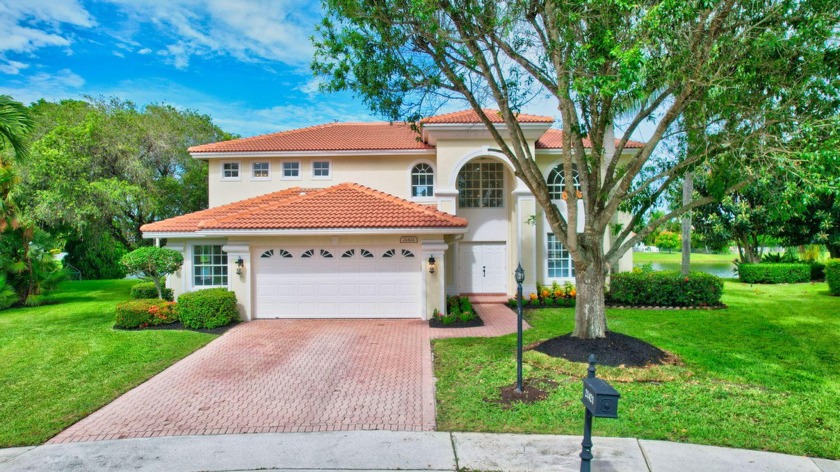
point(338, 282)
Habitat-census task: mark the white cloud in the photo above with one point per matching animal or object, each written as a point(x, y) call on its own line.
point(144, 51)
point(247, 30)
point(310, 87)
point(58, 86)
point(26, 26)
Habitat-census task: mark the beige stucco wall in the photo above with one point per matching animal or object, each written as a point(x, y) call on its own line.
point(391, 173)
point(387, 173)
point(249, 249)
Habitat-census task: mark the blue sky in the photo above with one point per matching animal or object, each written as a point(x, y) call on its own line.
point(243, 62)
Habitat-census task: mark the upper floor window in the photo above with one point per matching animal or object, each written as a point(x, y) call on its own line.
point(261, 170)
point(291, 170)
point(210, 266)
point(230, 170)
point(422, 181)
point(557, 182)
point(481, 185)
point(321, 169)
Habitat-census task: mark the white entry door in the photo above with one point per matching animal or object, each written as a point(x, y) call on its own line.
point(482, 268)
point(338, 282)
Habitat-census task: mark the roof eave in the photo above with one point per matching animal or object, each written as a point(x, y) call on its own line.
point(215, 233)
point(285, 154)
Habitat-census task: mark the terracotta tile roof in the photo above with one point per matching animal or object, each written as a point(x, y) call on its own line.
point(470, 116)
point(326, 137)
point(190, 221)
point(342, 206)
point(553, 139)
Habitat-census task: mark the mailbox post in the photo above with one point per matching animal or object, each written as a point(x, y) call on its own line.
point(600, 400)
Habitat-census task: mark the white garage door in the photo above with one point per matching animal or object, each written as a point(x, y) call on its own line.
point(338, 282)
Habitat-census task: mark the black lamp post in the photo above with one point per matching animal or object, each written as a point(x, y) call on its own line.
point(519, 274)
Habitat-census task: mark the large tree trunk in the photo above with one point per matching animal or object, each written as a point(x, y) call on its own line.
point(590, 309)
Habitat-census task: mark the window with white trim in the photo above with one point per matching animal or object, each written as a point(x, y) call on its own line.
point(261, 170)
point(422, 181)
point(291, 170)
point(481, 185)
point(321, 169)
point(230, 170)
point(560, 264)
point(557, 182)
point(210, 266)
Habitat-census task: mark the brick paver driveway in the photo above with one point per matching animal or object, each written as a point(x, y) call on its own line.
point(282, 375)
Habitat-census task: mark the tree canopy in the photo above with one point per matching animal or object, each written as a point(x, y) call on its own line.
point(99, 169)
point(761, 75)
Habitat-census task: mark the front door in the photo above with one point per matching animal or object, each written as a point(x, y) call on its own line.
point(482, 268)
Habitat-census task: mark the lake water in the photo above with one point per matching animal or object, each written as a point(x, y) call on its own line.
point(721, 269)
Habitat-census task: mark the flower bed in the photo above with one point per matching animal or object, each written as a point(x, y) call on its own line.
point(549, 296)
point(143, 313)
point(459, 314)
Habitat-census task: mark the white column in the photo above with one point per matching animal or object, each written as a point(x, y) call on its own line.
point(240, 284)
point(434, 285)
point(526, 238)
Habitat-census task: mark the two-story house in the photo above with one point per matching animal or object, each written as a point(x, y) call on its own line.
point(369, 219)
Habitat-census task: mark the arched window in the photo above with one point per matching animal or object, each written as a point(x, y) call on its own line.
point(422, 180)
point(481, 185)
point(557, 182)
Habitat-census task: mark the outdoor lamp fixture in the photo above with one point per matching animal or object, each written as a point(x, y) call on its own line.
point(519, 275)
point(432, 264)
point(239, 265)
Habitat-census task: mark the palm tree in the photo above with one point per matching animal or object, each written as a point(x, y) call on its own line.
point(15, 124)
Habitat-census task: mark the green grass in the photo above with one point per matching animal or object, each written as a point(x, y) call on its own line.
point(762, 374)
point(61, 362)
point(676, 257)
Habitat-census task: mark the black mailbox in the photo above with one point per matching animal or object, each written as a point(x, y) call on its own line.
point(600, 398)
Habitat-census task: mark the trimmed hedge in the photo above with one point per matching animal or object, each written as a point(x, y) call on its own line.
point(665, 288)
point(145, 312)
point(148, 290)
point(832, 275)
point(208, 308)
point(769, 273)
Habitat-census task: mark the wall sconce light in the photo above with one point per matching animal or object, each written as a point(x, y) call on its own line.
point(239, 265)
point(432, 264)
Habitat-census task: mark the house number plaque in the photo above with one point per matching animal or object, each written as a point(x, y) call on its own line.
point(408, 240)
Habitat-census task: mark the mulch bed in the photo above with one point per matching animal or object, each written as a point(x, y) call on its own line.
point(178, 326)
point(614, 350)
point(533, 390)
point(473, 323)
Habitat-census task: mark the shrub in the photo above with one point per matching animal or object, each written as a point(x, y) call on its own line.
point(145, 312)
point(665, 288)
point(148, 290)
point(769, 273)
point(8, 296)
point(781, 258)
point(207, 309)
point(154, 262)
point(832, 275)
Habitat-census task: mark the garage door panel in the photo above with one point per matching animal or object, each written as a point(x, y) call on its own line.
point(337, 287)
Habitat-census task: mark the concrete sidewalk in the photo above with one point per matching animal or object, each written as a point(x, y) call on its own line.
point(387, 450)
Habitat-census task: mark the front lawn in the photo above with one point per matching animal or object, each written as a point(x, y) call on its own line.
point(762, 374)
point(63, 361)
